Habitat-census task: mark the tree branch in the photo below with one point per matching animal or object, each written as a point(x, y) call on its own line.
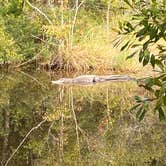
point(21, 143)
point(38, 10)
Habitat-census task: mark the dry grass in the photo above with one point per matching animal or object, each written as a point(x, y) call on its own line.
point(95, 51)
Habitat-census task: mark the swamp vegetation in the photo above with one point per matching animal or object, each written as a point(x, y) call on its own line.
point(63, 35)
point(112, 123)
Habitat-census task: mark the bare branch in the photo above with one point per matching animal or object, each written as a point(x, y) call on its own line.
point(77, 6)
point(21, 143)
point(38, 10)
point(33, 78)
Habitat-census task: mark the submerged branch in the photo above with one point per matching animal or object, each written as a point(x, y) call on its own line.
point(33, 78)
point(21, 143)
point(76, 123)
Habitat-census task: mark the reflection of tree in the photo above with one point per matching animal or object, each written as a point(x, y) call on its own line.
point(76, 124)
point(19, 101)
point(85, 125)
point(6, 128)
point(24, 139)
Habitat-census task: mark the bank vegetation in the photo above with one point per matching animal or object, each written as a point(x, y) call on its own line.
point(69, 35)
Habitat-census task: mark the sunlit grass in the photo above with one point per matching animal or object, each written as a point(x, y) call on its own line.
point(96, 51)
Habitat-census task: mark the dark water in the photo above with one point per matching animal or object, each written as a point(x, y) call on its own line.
point(46, 125)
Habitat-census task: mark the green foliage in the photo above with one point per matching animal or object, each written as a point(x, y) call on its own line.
point(17, 30)
point(24, 31)
point(148, 27)
point(8, 47)
point(14, 7)
point(89, 46)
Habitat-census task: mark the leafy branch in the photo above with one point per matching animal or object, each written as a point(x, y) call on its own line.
point(147, 27)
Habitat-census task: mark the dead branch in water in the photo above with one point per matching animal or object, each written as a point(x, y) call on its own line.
point(76, 123)
point(33, 78)
point(21, 143)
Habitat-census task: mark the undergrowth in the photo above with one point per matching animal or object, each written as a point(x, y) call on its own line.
point(48, 32)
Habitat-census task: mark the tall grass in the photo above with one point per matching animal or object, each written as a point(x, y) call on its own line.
point(92, 43)
point(95, 51)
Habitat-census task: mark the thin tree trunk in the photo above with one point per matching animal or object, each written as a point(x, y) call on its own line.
point(108, 109)
point(108, 18)
point(61, 139)
point(73, 24)
point(77, 6)
point(62, 14)
point(6, 128)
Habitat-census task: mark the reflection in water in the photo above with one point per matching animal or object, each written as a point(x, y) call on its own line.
point(41, 124)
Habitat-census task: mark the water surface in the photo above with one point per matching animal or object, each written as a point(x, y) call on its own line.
point(79, 125)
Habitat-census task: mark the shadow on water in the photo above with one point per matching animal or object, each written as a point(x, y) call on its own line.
point(75, 125)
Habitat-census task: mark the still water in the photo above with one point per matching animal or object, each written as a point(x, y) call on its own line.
point(53, 125)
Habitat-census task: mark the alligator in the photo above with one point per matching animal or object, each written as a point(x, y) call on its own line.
point(92, 79)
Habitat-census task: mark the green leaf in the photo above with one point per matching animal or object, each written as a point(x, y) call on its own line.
point(135, 45)
point(142, 114)
point(141, 38)
point(149, 82)
point(159, 64)
point(164, 100)
point(130, 56)
point(134, 107)
point(139, 112)
point(157, 82)
point(152, 60)
point(142, 32)
point(127, 1)
point(161, 114)
point(153, 33)
point(157, 93)
point(120, 25)
point(141, 55)
point(125, 46)
point(159, 104)
point(154, 1)
point(148, 88)
point(145, 45)
point(138, 99)
point(129, 26)
point(146, 59)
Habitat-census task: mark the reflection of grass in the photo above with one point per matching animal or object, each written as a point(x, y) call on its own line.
point(99, 91)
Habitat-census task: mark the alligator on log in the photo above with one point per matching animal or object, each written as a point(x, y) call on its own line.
point(92, 79)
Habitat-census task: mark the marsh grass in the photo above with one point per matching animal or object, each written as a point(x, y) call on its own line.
point(95, 51)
